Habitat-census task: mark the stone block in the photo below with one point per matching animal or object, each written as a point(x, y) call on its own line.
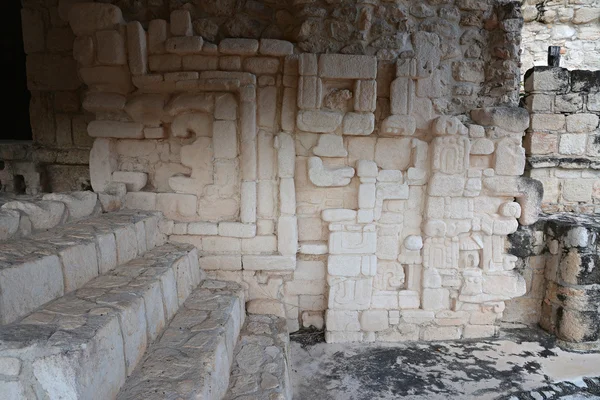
point(512, 119)
point(176, 205)
point(225, 139)
point(307, 64)
point(346, 66)
point(268, 263)
point(338, 215)
point(344, 321)
point(582, 123)
point(572, 144)
point(237, 230)
point(547, 79)
point(115, 129)
point(137, 48)
point(225, 107)
point(353, 242)
point(431, 333)
point(330, 145)
point(157, 35)
point(164, 62)
point(435, 299)
point(27, 286)
point(365, 95)
point(310, 94)
point(542, 143)
point(79, 204)
point(322, 176)
point(287, 235)
point(358, 124)
point(181, 23)
point(80, 265)
point(87, 18)
point(184, 45)
point(398, 125)
point(277, 48)
point(43, 214)
point(245, 47)
point(577, 190)
point(134, 181)
point(103, 102)
point(110, 48)
point(287, 196)
point(83, 50)
point(374, 320)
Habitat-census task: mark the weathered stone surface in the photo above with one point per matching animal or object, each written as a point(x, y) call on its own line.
point(511, 119)
point(137, 48)
point(323, 176)
point(79, 204)
point(318, 121)
point(343, 66)
point(114, 129)
point(87, 18)
point(246, 47)
point(358, 124)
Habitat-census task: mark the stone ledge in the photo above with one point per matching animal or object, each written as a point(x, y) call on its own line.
point(198, 343)
point(104, 326)
point(262, 358)
point(48, 264)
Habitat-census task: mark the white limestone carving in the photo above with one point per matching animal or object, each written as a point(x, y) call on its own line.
point(326, 177)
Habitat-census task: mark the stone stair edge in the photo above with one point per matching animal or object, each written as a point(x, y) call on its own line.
point(98, 326)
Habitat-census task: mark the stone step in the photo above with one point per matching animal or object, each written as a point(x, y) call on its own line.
point(261, 367)
point(46, 265)
point(85, 344)
point(21, 215)
point(192, 359)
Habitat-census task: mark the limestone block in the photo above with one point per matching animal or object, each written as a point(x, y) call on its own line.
point(225, 107)
point(512, 119)
point(80, 265)
point(83, 50)
point(220, 245)
point(9, 223)
point(413, 242)
point(103, 102)
point(287, 196)
point(175, 205)
point(367, 169)
point(181, 23)
point(225, 139)
point(307, 64)
point(245, 47)
point(87, 18)
point(110, 48)
point(398, 125)
point(288, 109)
point(353, 242)
point(137, 48)
point(261, 65)
point(366, 196)
point(184, 45)
point(582, 123)
point(350, 293)
point(189, 102)
point(164, 62)
point(322, 176)
point(504, 287)
point(330, 145)
point(277, 48)
point(446, 125)
point(29, 285)
point(393, 153)
point(248, 202)
point(236, 229)
point(577, 190)
point(260, 245)
point(157, 35)
point(358, 124)
point(223, 263)
point(346, 66)
point(43, 214)
point(318, 121)
point(286, 155)
point(265, 306)
point(402, 96)
point(146, 109)
point(338, 215)
point(134, 181)
point(432, 333)
point(446, 185)
point(313, 318)
point(469, 71)
point(343, 265)
point(267, 106)
point(268, 263)
point(115, 129)
point(374, 320)
point(482, 147)
point(345, 321)
point(195, 123)
point(113, 197)
point(365, 95)
point(287, 235)
point(310, 92)
point(510, 158)
point(79, 204)
point(114, 79)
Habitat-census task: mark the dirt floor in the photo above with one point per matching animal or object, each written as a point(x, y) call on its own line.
point(522, 363)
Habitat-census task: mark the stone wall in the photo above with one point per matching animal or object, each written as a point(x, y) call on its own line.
point(558, 256)
point(59, 125)
point(572, 24)
point(370, 188)
point(563, 141)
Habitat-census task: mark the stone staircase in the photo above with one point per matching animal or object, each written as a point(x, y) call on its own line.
point(102, 308)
